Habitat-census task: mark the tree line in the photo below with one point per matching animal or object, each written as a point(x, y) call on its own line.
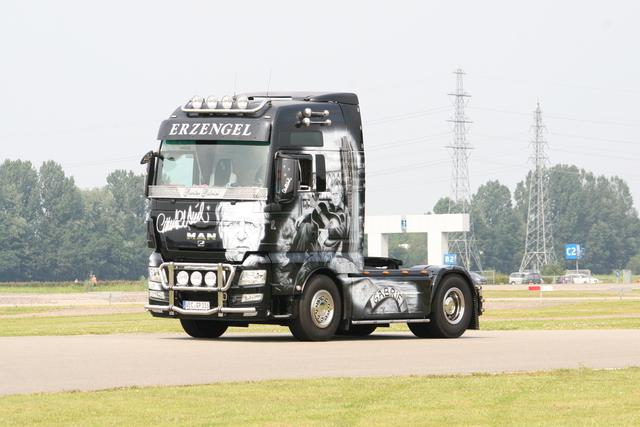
point(582, 209)
point(54, 231)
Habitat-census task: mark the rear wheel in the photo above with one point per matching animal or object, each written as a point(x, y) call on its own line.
point(203, 328)
point(452, 310)
point(320, 311)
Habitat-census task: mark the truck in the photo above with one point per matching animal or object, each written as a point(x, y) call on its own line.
point(256, 216)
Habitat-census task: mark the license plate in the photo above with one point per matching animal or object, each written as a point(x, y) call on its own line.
point(195, 305)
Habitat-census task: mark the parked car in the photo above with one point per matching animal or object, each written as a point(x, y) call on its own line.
point(562, 279)
point(478, 278)
point(517, 278)
point(578, 278)
point(521, 278)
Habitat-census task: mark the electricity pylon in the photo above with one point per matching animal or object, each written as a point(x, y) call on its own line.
point(539, 241)
point(463, 244)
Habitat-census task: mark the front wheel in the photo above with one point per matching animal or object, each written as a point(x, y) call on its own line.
point(203, 328)
point(451, 311)
point(320, 311)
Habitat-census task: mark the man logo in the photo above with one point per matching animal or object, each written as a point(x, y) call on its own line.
point(201, 236)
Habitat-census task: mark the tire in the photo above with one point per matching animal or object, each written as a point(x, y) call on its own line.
point(320, 311)
point(358, 330)
point(451, 311)
point(203, 328)
point(419, 330)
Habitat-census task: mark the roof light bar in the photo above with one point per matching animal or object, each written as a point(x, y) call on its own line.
point(211, 105)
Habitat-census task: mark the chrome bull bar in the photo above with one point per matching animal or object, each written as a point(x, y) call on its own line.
point(168, 283)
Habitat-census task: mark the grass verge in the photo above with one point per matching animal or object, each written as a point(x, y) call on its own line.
point(580, 315)
point(509, 294)
point(582, 397)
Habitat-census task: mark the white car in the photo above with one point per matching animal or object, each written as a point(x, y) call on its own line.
point(578, 278)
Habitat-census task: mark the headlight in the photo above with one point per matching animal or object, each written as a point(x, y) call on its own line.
point(156, 286)
point(155, 275)
point(251, 298)
point(155, 278)
point(158, 295)
point(253, 277)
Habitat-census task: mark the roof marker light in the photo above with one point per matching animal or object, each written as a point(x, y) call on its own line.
point(212, 102)
point(196, 102)
point(227, 102)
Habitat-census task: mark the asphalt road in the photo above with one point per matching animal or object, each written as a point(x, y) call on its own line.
point(91, 362)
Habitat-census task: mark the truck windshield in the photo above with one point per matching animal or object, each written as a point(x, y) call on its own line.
point(213, 163)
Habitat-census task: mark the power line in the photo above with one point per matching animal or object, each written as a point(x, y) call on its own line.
point(406, 116)
point(73, 130)
point(99, 162)
point(557, 84)
point(560, 118)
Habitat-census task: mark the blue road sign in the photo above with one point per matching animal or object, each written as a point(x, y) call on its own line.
point(574, 251)
point(450, 259)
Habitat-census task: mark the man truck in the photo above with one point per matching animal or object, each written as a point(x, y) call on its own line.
point(256, 216)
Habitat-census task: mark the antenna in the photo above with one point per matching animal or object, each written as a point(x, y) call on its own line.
point(269, 84)
point(235, 84)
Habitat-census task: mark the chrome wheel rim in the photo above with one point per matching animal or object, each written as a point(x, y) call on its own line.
point(322, 309)
point(453, 306)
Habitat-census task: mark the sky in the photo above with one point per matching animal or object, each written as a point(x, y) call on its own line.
point(87, 84)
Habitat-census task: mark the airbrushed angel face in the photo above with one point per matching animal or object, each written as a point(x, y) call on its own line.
point(241, 227)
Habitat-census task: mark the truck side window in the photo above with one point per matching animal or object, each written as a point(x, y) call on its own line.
point(305, 174)
point(301, 138)
point(321, 173)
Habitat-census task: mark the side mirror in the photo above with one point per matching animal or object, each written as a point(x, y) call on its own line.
point(287, 179)
point(147, 157)
point(150, 160)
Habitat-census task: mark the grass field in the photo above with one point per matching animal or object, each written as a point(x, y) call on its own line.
point(580, 397)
